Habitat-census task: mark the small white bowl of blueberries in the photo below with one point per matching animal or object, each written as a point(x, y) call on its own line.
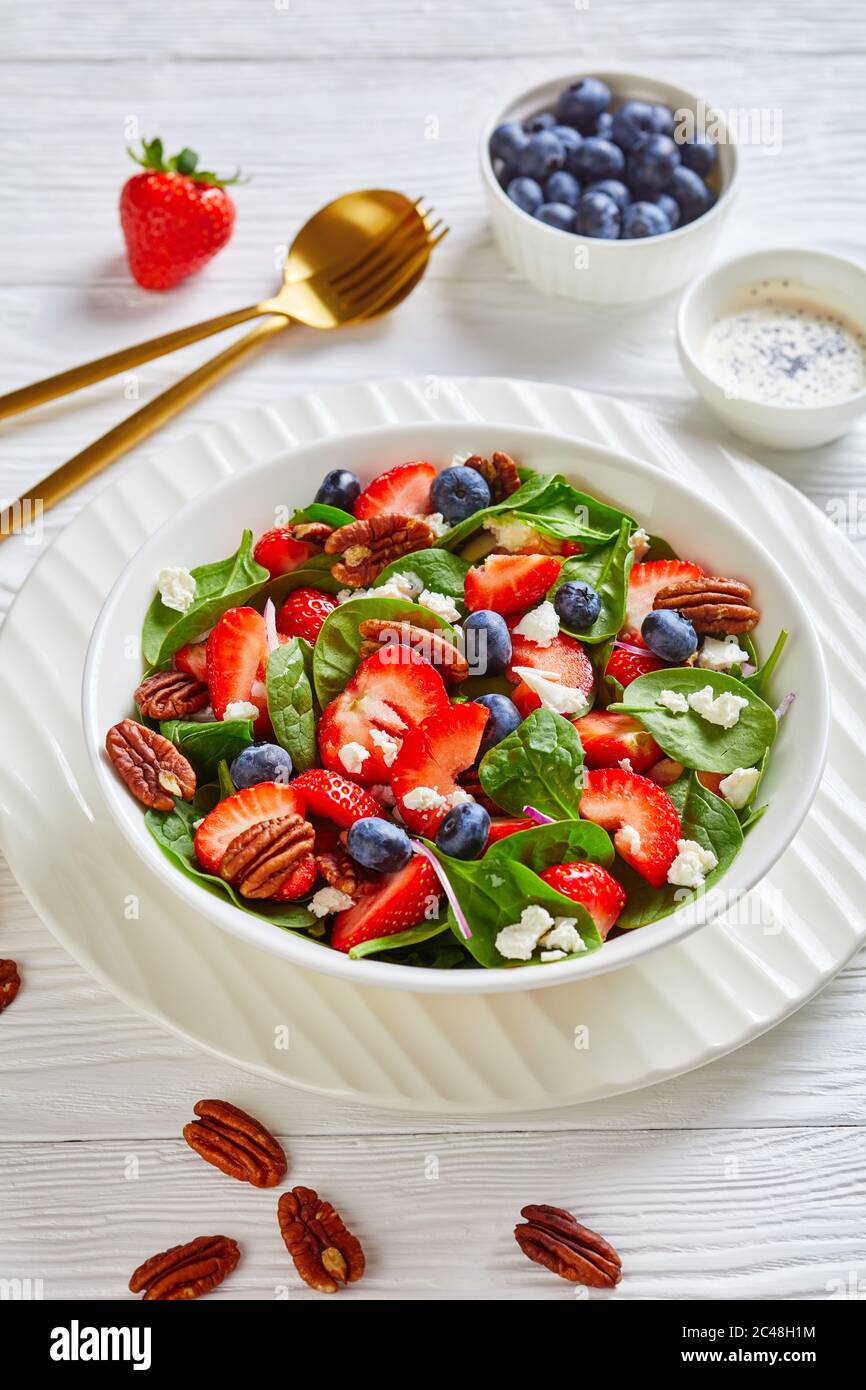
point(608, 187)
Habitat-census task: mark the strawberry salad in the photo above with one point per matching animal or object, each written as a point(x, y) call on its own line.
point(460, 718)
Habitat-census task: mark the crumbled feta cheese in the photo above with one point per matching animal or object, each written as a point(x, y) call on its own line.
point(353, 756)
point(510, 534)
point(674, 701)
point(197, 823)
point(407, 581)
point(565, 937)
point(720, 654)
point(640, 543)
point(459, 460)
point(518, 941)
point(540, 625)
point(738, 786)
point(625, 764)
point(345, 595)
point(329, 900)
point(382, 713)
point(425, 799)
point(383, 794)
point(437, 523)
point(552, 955)
point(554, 696)
point(629, 838)
point(724, 710)
point(691, 865)
point(496, 881)
point(458, 797)
point(241, 709)
point(440, 604)
point(176, 588)
point(389, 745)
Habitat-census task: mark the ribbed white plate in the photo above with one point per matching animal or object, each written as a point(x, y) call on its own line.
point(680, 1008)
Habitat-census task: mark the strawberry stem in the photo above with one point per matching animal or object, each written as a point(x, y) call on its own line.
point(152, 156)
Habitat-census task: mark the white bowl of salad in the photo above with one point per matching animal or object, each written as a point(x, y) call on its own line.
point(456, 709)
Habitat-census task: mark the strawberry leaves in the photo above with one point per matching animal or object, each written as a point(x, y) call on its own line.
point(152, 157)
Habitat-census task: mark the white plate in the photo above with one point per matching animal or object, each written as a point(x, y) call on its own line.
point(676, 1010)
point(209, 529)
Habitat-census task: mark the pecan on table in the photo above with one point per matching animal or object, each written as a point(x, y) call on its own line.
point(366, 547)
point(712, 605)
point(258, 861)
point(325, 1254)
point(427, 642)
point(237, 1144)
point(10, 983)
point(499, 473)
point(553, 1238)
point(170, 695)
point(152, 768)
point(186, 1271)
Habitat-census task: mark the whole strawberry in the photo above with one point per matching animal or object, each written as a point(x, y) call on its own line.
point(174, 216)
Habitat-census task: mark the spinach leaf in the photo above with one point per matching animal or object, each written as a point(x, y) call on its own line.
point(290, 703)
point(219, 586)
point(335, 656)
point(322, 511)
point(173, 832)
point(759, 679)
point(441, 571)
point(688, 737)
point(207, 745)
point(225, 785)
point(607, 688)
point(607, 569)
point(705, 818)
point(413, 936)
point(550, 503)
point(540, 764)
point(314, 573)
point(559, 843)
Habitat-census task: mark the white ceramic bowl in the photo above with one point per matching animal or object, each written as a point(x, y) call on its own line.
point(209, 527)
point(833, 281)
point(589, 268)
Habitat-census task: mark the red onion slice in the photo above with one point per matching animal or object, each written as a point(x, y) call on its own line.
point(786, 704)
point(629, 647)
point(270, 617)
point(538, 816)
point(449, 891)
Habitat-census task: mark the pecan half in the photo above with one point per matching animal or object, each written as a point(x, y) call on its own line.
point(313, 532)
point(553, 1238)
point(186, 1271)
point(258, 861)
point(427, 642)
point(325, 1254)
point(712, 604)
point(339, 869)
point(10, 983)
point(170, 695)
point(152, 768)
point(499, 473)
point(368, 546)
point(235, 1143)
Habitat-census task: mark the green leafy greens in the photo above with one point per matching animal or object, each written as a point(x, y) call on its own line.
point(607, 569)
point(540, 764)
point(290, 702)
point(688, 737)
point(219, 586)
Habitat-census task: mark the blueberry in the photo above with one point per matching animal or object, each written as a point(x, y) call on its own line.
point(463, 831)
point(541, 155)
point(543, 121)
point(596, 159)
point(631, 123)
point(562, 187)
point(261, 762)
point(577, 604)
point(604, 125)
point(691, 193)
point(644, 219)
point(598, 215)
point(379, 844)
point(651, 164)
point(487, 643)
point(526, 193)
point(700, 155)
point(504, 719)
point(568, 138)
point(669, 206)
point(339, 488)
point(458, 493)
point(582, 104)
point(615, 189)
point(558, 215)
point(506, 140)
point(663, 120)
point(669, 635)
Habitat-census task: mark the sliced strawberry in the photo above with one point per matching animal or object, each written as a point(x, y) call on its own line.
point(645, 582)
point(510, 583)
point(264, 801)
point(304, 612)
point(625, 666)
point(525, 699)
point(299, 881)
point(431, 757)
point(609, 738)
point(591, 886)
point(565, 658)
point(614, 800)
point(500, 828)
point(193, 659)
point(237, 654)
point(333, 796)
point(280, 553)
point(404, 899)
point(394, 690)
point(402, 491)
point(665, 772)
point(711, 780)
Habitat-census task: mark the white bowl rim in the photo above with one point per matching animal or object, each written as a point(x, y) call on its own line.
point(305, 952)
point(703, 284)
point(613, 73)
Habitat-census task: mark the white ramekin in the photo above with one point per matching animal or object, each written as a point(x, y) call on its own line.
point(589, 268)
point(833, 281)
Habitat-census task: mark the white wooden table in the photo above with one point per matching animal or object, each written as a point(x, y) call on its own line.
point(742, 1180)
